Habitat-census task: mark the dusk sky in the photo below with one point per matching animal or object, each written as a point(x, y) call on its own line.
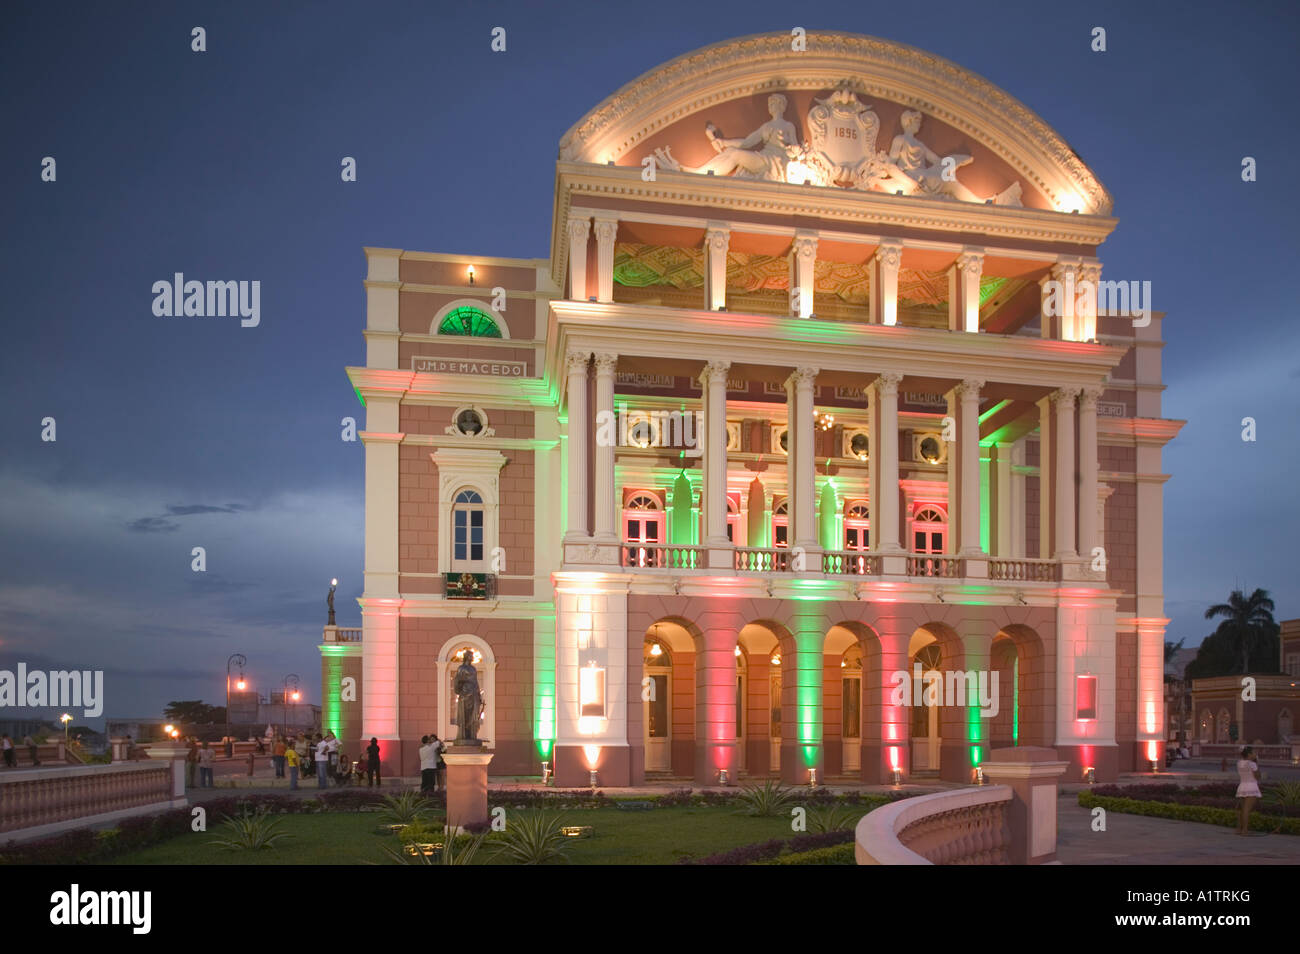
point(174, 433)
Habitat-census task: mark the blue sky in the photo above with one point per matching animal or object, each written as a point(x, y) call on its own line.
point(176, 433)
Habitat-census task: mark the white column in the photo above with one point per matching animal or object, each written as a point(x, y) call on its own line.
point(1088, 468)
point(1064, 400)
point(606, 231)
point(1086, 302)
point(1018, 500)
point(714, 380)
point(804, 252)
point(801, 467)
point(382, 284)
point(883, 308)
point(716, 240)
point(379, 613)
point(964, 291)
point(1002, 545)
point(1058, 292)
point(968, 452)
point(604, 472)
point(884, 463)
point(576, 364)
point(579, 228)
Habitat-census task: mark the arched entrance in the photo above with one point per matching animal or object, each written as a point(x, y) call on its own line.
point(1024, 714)
point(667, 731)
point(940, 733)
point(657, 699)
point(758, 678)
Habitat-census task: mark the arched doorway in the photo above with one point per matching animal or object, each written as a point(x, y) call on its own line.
point(851, 708)
point(742, 684)
point(1207, 726)
point(657, 701)
point(926, 730)
point(1221, 727)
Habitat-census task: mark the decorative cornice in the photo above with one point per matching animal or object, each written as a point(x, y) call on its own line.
point(872, 67)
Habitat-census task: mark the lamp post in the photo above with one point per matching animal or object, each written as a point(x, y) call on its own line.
point(239, 660)
point(65, 719)
point(329, 600)
point(291, 679)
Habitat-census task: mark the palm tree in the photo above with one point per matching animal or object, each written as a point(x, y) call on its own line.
point(1247, 622)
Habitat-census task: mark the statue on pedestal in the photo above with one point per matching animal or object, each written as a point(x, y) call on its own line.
point(469, 701)
point(329, 601)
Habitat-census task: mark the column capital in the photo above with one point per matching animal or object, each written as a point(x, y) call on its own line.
point(606, 363)
point(579, 226)
point(887, 383)
point(804, 377)
point(717, 238)
point(889, 253)
point(1088, 397)
point(971, 260)
point(969, 388)
point(606, 229)
point(1065, 268)
point(714, 370)
point(1090, 271)
point(1064, 397)
point(576, 361)
point(805, 245)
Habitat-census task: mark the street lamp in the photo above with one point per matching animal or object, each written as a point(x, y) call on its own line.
point(65, 719)
point(239, 660)
point(291, 679)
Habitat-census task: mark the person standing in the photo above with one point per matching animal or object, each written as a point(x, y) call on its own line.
point(7, 744)
point(1248, 788)
point(277, 756)
point(372, 763)
point(428, 765)
point(322, 764)
point(291, 759)
point(332, 749)
point(440, 771)
point(206, 755)
point(32, 750)
point(192, 763)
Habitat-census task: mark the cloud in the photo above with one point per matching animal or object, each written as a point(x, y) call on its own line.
point(152, 525)
point(190, 509)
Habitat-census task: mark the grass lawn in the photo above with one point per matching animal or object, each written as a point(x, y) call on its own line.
point(658, 836)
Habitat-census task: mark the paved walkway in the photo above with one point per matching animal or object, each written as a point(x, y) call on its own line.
point(1139, 840)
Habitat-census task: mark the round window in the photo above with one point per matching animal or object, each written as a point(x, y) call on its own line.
point(931, 450)
point(785, 441)
point(859, 446)
point(469, 422)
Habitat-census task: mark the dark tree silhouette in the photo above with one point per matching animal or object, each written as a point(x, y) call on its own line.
point(1246, 636)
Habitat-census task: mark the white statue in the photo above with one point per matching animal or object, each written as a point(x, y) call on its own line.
point(777, 141)
point(913, 167)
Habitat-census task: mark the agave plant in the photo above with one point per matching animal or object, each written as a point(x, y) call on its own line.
point(533, 839)
point(765, 800)
point(1286, 795)
point(247, 831)
point(405, 808)
point(832, 818)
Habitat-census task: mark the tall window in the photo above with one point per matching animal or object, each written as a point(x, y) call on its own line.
point(781, 523)
point(733, 516)
point(467, 529)
point(643, 527)
point(469, 322)
point(851, 690)
point(929, 527)
point(857, 524)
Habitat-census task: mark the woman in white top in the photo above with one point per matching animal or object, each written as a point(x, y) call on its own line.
point(1248, 789)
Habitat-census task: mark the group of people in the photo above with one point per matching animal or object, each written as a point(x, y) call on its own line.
point(11, 756)
point(433, 770)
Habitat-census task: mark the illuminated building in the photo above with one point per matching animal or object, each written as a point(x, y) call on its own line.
point(821, 367)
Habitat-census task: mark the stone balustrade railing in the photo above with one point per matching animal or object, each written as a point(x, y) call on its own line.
point(964, 827)
point(850, 563)
point(39, 800)
point(342, 634)
point(663, 556)
point(1031, 571)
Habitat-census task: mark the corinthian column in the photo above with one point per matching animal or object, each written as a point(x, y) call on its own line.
point(968, 456)
point(604, 471)
point(884, 463)
point(964, 291)
point(1064, 400)
point(716, 240)
point(714, 379)
point(805, 258)
point(883, 308)
point(606, 231)
point(576, 365)
point(1088, 468)
point(579, 227)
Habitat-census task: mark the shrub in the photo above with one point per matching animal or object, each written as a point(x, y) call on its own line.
point(456, 850)
point(833, 818)
point(834, 855)
point(405, 807)
point(250, 831)
point(765, 850)
point(765, 800)
point(1194, 813)
point(533, 839)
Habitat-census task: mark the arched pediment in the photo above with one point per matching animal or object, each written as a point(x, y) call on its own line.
point(863, 82)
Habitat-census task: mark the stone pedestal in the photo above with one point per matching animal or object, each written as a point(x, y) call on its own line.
point(467, 773)
point(1033, 773)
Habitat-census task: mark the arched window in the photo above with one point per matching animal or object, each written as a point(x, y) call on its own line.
point(643, 529)
point(733, 515)
point(1221, 728)
point(467, 530)
point(781, 523)
point(469, 322)
point(929, 528)
point(857, 526)
point(1207, 726)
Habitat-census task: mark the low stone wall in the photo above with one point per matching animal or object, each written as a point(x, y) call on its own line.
point(39, 802)
point(965, 827)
